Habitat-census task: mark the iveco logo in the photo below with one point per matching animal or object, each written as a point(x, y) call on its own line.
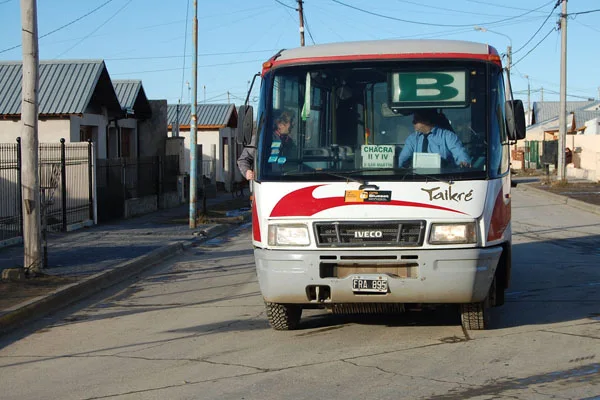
point(368, 234)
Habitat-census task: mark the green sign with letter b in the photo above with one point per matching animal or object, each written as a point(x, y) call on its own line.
point(430, 89)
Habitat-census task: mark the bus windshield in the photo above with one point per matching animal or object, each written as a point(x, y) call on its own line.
point(383, 121)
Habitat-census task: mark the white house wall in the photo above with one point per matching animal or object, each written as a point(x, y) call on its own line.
point(49, 130)
point(592, 127)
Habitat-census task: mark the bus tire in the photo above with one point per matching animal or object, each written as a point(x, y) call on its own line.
point(283, 317)
point(476, 316)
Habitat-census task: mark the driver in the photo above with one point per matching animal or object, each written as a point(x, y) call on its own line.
point(429, 137)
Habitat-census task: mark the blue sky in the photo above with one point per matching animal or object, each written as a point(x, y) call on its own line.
point(145, 39)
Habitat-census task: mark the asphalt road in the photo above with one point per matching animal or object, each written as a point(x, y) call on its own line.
point(195, 328)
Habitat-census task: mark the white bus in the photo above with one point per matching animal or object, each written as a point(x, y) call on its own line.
point(388, 187)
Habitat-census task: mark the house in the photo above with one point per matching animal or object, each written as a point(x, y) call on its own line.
point(216, 124)
point(123, 139)
point(583, 136)
point(77, 102)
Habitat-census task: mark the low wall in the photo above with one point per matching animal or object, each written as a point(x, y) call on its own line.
point(140, 206)
point(170, 200)
point(148, 204)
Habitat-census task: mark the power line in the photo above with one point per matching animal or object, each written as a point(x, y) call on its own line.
point(534, 47)
point(285, 5)
point(177, 69)
point(187, 15)
point(189, 55)
point(503, 6)
point(449, 9)
point(63, 26)
point(583, 12)
point(308, 29)
point(539, 29)
point(95, 30)
point(432, 24)
point(569, 95)
point(588, 26)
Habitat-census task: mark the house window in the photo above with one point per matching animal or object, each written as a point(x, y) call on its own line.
point(85, 133)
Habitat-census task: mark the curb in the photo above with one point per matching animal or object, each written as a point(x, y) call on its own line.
point(38, 307)
point(563, 199)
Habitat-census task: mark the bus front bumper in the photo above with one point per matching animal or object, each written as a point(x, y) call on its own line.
point(436, 275)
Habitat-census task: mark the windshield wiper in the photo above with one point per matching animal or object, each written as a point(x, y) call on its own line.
point(426, 176)
point(348, 178)
point(432, 177)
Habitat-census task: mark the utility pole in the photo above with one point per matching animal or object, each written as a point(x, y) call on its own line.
point(30, 186)
point(562, 127)
point(301, 12)
point(228, 102)
point(176, 125)
point(508, 67)
point(194, 124)
point(542, 95)
point(529, 119)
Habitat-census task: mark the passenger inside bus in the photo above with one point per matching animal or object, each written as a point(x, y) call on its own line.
point(431, 137)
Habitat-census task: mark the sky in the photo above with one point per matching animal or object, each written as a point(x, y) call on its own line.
point(151, 40)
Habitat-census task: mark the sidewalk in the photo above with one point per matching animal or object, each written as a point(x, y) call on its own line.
point(83, 262)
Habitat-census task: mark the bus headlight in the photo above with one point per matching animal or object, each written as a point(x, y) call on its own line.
point(288, 235)
point(453, 233)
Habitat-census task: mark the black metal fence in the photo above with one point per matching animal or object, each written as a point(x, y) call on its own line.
point(66, 191)
point(11, 224)
point(122, 179)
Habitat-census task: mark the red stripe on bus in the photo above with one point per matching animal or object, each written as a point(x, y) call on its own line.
point(255, 225)
point(301, 203)
point(500, 217)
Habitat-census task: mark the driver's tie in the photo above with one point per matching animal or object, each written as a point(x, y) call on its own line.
point(425, 143)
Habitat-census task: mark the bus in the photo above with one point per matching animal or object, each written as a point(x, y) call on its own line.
point(351, 211)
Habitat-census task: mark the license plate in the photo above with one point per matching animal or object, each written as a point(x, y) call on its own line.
point(370, 285)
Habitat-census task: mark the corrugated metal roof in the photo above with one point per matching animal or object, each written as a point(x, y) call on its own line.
point(66, 87)
point(209, 115)
point(581, 117)
point(547, 110)
point(127, 92)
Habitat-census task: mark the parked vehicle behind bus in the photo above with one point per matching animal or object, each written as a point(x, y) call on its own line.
point(355, 210)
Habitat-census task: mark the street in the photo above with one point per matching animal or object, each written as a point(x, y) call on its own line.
point(195, 328)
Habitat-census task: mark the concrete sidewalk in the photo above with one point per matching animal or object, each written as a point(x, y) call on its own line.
point(86, 261)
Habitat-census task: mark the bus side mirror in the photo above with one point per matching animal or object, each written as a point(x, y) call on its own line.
point(515, 120)
point(245, 125)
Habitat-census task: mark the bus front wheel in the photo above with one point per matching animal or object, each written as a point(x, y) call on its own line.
point(283, 317)
point(476, 316)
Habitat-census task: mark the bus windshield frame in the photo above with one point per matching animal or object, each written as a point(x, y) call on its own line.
point(335, 122)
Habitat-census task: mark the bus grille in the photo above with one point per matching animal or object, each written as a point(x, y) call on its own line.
point(370, 234)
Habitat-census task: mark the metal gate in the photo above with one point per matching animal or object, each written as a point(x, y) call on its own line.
point(11, 223)
point(532, 154)
point(66, 191)
point(121, 179)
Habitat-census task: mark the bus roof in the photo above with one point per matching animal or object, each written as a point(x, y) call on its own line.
point(387, 49)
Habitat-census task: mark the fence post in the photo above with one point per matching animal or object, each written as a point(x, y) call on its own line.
point(63, 183)
point(90, 180)
point(19, 185)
